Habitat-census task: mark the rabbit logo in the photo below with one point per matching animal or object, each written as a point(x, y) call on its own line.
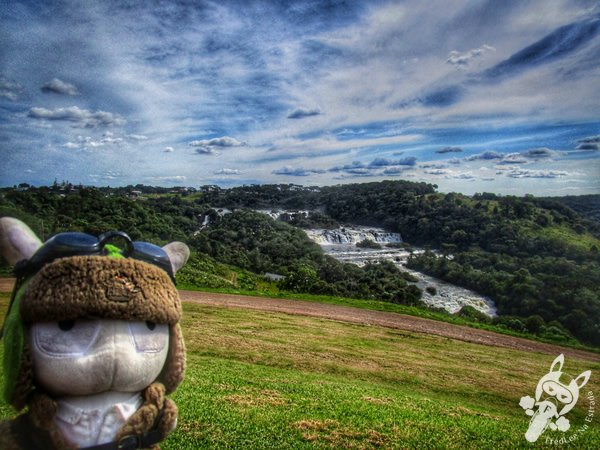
point(555, 395)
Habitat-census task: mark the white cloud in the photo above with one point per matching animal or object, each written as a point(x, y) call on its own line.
point(539, 153)
point(137, 137)
point(327, 143)
point(464, 176)
point(433, 166)
point(169, 179)
point(168, 150)
point(224, 141)
point(302, 112)
point(207, 151)
point(9, 89)
point(297, 172)
point(590, 139)
point(449, 150)
point(589, 143)
point(227, 172)
point(108, 138)
point(437, 171)
point(88, 142)
point(506, 168)
point(487, 155)
point(107, 175)
point(457, 58)
point(543, 173)
point(212, 146)
point(588, 146)
point(60, 87)
point(83, 117)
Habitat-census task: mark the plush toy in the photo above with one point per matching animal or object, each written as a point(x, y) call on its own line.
point(92, 344)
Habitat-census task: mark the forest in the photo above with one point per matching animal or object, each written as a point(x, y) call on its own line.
point(537, 258)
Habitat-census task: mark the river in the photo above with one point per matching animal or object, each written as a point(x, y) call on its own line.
point(341, 244)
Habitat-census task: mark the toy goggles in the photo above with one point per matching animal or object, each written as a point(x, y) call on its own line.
point(81, 244)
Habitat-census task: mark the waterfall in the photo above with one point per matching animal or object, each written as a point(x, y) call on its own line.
point(353, 235)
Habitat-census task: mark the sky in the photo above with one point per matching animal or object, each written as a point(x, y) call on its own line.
point(473, 96)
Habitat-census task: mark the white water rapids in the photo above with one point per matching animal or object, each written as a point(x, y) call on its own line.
point(341, 244)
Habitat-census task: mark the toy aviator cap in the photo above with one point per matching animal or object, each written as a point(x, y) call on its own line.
point(92, 340)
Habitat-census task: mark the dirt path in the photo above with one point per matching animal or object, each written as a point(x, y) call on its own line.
point(368, 317)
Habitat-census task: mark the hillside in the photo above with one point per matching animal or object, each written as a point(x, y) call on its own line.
point(586, 205)
point(537, 259)
point(271, 380)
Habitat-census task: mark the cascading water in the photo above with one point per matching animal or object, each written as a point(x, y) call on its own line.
point(353, 235)
point(341, 244)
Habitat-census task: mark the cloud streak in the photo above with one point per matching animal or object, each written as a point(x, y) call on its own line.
point(449, 150)
point(83, 117)
point(301, 113)
point(462, 59)
point(214, 145)
point(558, 44)
point(57, 86)
point(297, 172)
point(589, 143)
point(9, 90)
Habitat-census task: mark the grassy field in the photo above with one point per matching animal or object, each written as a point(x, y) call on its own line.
point(581, 242)
point(377, 305)
point(268, 380)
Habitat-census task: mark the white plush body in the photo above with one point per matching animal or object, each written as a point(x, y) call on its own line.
point(95, 419)
point(96, 370)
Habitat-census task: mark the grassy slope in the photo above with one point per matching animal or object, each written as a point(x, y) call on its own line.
point(562, 234)
point(271, 291)
point(265, 380)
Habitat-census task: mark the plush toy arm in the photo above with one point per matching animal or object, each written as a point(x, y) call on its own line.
point(8, 441)
point(157, 414)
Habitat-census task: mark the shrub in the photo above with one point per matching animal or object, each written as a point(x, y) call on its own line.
point(367, 243)
point(471, 313)
point(431, 290)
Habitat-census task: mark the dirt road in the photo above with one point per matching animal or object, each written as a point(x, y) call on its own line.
point(368, 317)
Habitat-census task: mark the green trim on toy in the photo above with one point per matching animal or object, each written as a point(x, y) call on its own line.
point(14, 343)
point(113, 251)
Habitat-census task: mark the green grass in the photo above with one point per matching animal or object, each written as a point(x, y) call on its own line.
point(270, 380)
point(262, 380)
point(271, 291)
point(581, 242)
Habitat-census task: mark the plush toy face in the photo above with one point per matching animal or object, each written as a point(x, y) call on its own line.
point(85, 357)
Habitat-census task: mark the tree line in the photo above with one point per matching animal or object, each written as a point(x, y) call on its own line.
point(537, 258)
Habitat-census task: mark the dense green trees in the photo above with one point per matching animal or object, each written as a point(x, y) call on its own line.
point(254, 241)
point(531, 256)
point(535, 257)
point(244, 238)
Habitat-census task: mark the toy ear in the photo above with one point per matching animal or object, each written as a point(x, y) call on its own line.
point(178, 254)
point(560, 360)
point(17, 240)
point(583, 378)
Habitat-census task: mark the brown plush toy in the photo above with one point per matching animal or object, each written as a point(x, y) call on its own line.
point(92, 343)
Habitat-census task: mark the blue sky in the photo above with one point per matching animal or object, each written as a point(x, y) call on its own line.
point(474, 96)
